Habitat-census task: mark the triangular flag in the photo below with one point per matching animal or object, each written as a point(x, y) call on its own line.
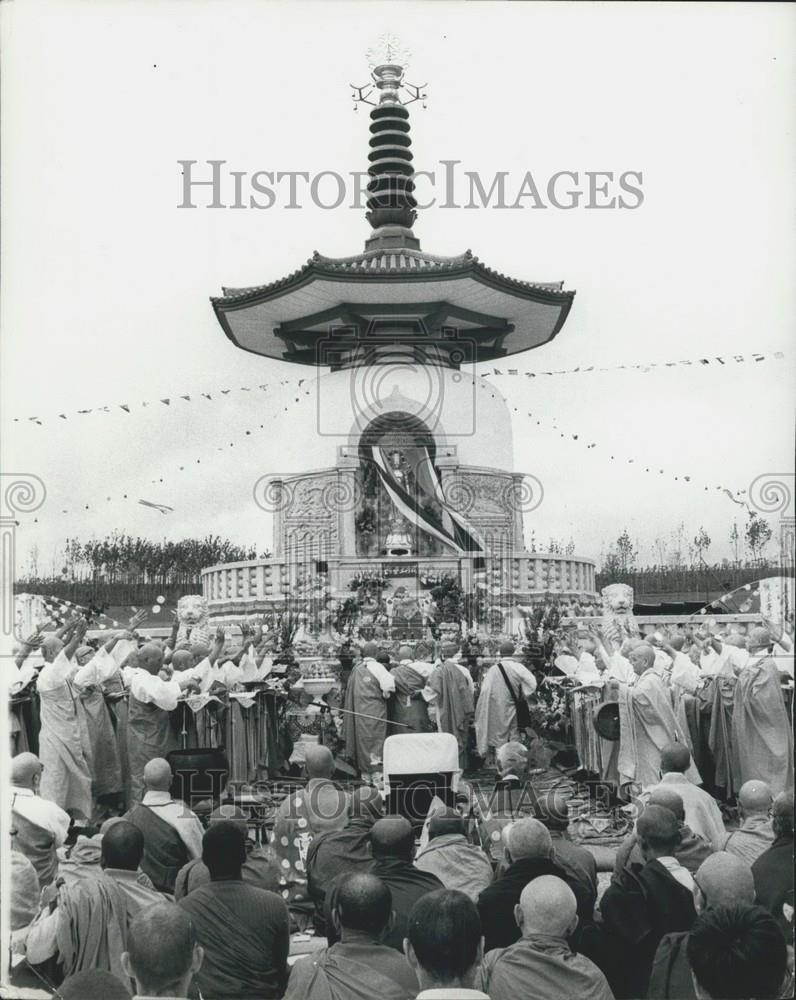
point(186, 398)
point(125, 407)
point(166, 401)
point(225, 392)
point(207, 395)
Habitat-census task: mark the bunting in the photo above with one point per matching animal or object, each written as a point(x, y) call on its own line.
point(127, 407)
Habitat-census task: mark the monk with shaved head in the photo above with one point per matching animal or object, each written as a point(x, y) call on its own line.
point(645, 902)
point(702, 813)
point(773, 869)
point(541, 964)
point(260, 869)
point(153, 696)
point(530, 853)
point(756, 833)
point(320, 807)
point(393, 845)
point(172, 833)
point(162, 953)
point(408, 708)
point(41, 826)
point(369, 687)
point(722, 880)
point(578, 861)
point(91, 917)
point(358, 964)
point(343, 851)
point(66, 776)
point(647, 723)
point(762, 731)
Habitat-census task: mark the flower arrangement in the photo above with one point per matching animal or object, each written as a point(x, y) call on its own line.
point(369, 582)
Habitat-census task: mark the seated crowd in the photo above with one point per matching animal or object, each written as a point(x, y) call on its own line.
point(155, 904)
point(492, 899)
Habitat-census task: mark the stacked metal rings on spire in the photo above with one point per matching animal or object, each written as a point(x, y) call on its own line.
point(390, 199)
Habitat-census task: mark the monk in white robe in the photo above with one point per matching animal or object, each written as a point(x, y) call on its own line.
point(496, 712)
point(66, 778)
point(647, 723)
point(760, 725)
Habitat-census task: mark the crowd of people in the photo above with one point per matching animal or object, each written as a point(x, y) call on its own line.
point(119, 889)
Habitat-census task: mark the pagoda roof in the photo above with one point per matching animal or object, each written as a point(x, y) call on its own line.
point(286, 318)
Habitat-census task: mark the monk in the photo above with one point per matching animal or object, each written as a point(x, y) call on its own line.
point(541, 964)
point(102, 748)
point(760, 725)
point(756, 832)
point(358, 965)
point(41, 826)
point(319, 807)
point(66, 777)
point(504, 686)
point(243, 930)
point(647, 723)
point(87, 928)
point(452, 706)
point(347, 850)
point(409, 705)
point(365, 725)
point(153, 695)
point(722, 880)
point(645, 903)
point(702, 813)
point(172, 833)
point(690, 852)
point(450, 856)
point(260, 867)
point(725, 661)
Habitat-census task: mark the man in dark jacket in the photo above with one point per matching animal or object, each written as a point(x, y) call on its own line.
point(722, 880)
point(393, 843)
point(529, 851)
point(644, 902)
point(347, 850)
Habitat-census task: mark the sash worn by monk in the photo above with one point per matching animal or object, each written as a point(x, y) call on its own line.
point(164, 851)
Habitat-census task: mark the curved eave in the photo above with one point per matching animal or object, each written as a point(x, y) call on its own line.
point(427, 272)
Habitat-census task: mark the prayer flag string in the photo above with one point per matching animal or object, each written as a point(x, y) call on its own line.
point(130, 407)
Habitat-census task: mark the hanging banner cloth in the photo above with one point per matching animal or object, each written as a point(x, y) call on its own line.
point(450, 528)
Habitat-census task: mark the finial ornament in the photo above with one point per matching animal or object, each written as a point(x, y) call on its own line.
point(388, 49)
point(388, 60)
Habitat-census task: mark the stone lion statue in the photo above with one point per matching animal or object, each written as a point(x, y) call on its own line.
point(193, 617)
point(618, 621)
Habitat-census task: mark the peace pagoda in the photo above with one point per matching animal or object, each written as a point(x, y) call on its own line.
point(407, 468)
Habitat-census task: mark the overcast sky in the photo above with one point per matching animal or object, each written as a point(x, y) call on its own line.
point(106, 281)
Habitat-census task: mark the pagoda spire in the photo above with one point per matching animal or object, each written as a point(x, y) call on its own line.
point(392, 206)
